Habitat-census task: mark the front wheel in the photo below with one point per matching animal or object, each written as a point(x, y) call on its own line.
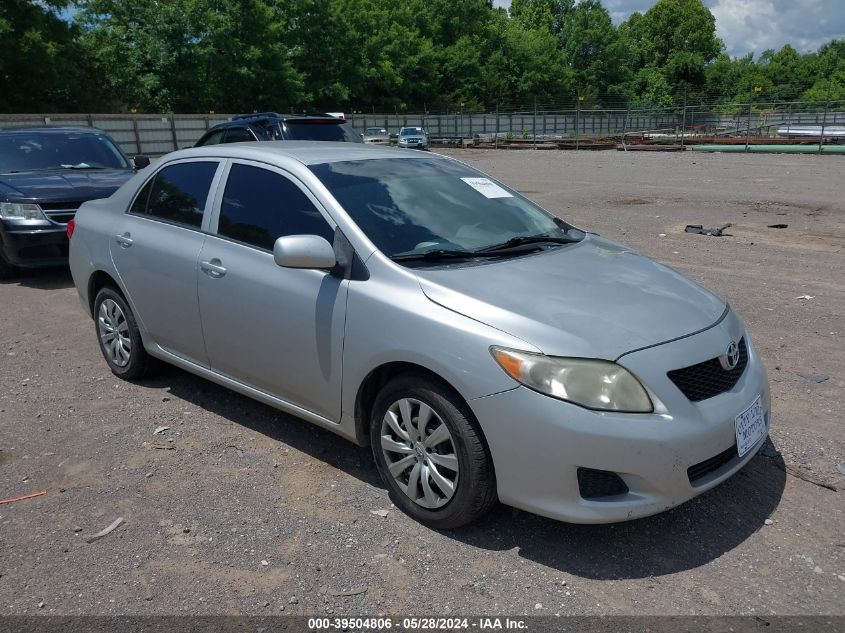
point(430, 453)
point(118, 336)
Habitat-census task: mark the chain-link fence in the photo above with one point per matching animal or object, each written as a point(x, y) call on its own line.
point(542, 128)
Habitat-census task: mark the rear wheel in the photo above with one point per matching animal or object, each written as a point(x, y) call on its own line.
point(430, 453)
point(118, 336)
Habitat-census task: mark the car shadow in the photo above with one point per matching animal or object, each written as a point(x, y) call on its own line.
point(686, 537)
point(41, 278)
point(277, 425)
point(683, 538)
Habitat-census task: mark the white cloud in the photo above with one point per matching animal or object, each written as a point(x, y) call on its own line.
point(755, 25)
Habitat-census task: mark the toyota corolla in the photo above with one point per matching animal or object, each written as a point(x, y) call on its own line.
point(485, 349)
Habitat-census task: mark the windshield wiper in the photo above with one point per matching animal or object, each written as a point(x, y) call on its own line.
point(441, 253)
point(522, 240)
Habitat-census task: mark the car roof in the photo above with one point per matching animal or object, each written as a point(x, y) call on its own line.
point(243, 120)
point(305, 152)
point(53, 129)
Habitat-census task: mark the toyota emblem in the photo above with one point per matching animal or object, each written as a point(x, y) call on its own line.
point(731, 358)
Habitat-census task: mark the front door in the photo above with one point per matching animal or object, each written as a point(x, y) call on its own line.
point(277, 329)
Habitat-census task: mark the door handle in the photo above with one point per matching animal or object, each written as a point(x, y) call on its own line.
point(213, 268)
point(124, 240)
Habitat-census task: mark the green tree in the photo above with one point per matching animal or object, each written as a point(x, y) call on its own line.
point(595, 52)
point(42, 66)
point(526, 64)
point(542, 14)
point(829, 76)
point(786, 72)
point(186, 55)
point(678, 39)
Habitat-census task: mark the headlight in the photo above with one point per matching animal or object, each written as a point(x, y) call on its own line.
point(595, 384)
point(20, 211)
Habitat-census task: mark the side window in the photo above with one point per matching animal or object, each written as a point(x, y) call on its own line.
point(212, 139)
point(178, 193)
point(260, 206)
point(237, 135)
point(140, 205)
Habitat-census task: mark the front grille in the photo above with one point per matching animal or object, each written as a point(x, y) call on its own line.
point(702, 469)
point(60, 212)
point(595, 484)
point(59, 218)
point(708, 379)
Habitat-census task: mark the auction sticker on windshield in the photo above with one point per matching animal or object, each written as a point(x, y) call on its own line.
point(750, 427)
point(487, 188)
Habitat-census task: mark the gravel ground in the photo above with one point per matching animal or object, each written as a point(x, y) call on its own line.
point(239, 509)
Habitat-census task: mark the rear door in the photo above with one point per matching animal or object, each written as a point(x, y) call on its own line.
point(276, 329)
point(155, 252)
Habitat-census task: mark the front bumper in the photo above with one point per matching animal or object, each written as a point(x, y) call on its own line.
point(413, 145)
point(538, 443)
point(34, 248)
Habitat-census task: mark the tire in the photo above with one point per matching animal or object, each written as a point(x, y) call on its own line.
point(423, 450)
point(6, 269)
point(110, 310)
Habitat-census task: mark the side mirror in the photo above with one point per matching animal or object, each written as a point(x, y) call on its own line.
point(141, 161)
point(304, 251)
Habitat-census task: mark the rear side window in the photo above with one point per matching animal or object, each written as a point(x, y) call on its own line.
point(321, 130)
point(259, 206)
point(177, 193)
point(140, 205)
point(212, 139)
point(238, 135)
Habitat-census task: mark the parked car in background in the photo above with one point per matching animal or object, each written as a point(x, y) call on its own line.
point(482, 347)
point(45, 174)
point(413, 138)
point(376, 135)
point(270, 126)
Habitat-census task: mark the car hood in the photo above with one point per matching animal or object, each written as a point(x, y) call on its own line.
point(593, 299)
point(62, 184)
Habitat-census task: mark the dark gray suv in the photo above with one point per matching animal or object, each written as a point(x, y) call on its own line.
point(270, 126)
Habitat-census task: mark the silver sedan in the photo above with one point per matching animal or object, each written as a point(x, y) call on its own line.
point(412, 138)
point(485, 349)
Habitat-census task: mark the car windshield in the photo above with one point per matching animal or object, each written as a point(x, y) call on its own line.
point(408, 206)
point(38, 151)
point(374, 130)
point(321, 130)
point(410, 131)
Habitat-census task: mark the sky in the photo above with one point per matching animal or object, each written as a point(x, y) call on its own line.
point(755, 25)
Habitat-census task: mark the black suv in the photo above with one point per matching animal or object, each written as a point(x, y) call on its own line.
point(45, 174)
point(270, 126)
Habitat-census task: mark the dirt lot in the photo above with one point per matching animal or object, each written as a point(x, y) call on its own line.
point(240, 509)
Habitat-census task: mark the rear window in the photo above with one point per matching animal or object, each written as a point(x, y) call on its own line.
point(321, 130)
